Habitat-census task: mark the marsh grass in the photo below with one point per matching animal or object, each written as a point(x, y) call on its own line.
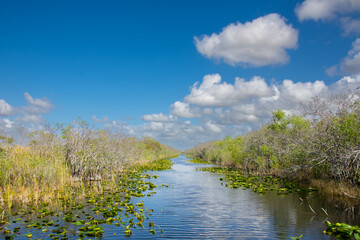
point(28, 175)
point(69, 163)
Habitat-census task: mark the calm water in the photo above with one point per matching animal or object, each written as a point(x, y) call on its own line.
point(197, 206)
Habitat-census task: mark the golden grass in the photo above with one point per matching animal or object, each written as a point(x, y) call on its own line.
point(39, 174)
point(29, 175)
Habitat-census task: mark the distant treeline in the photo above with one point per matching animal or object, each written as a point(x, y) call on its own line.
point(321, 142)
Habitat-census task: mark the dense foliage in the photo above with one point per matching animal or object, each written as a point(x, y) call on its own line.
point(322, 142)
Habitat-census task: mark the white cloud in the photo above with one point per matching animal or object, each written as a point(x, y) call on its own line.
point(258, 43)
point(340, 10)
point(213, 127)
point(8, 123)
point(22, 120)
point(350, 25)
point(213, 93)
point(29, 118)
point(345, 83)
point(5, 108)
point(158, 118)
point(100, 120)
point(37, 105)
point(240, 114)
point(183, 110)
point(350, 64)
point(325, 9)
point(119, 126)
point(301, 92)
point(156, 125)
point(244, 102)
point(43, 103)
point(181, 134)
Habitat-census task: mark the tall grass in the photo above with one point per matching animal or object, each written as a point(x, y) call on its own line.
point(31, 175)
point(59, 162)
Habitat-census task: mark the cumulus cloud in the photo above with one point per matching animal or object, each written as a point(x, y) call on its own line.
point(345, 83)
point(350, 64)
point(183, 134)
point(258, 110)
point(100, 120)
point(183, 110)
point(258, 43)
point(158, 118)
point(340, 10)
point(213, 93)
point(301, 92)
point(213, 127)
point(244, 102)
point(5, 108)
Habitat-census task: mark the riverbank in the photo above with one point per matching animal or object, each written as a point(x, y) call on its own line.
point(318, 148)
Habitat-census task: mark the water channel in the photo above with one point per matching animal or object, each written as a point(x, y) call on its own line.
point(197, 206)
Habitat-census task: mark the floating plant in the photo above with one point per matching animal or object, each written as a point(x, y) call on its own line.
point(259, 184)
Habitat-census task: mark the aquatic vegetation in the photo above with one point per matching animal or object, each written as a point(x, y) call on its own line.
point(297, 238)
point(198, 161)
point(342, 231)
point(157, 165)
point(120, 206)
point(259, 184)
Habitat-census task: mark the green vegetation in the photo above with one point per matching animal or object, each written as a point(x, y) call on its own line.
point(157, 165)
point(321, 145)
point(198, 161)
point(86, 218)
point(259, 184)
point(74, 174)
point(342, 231)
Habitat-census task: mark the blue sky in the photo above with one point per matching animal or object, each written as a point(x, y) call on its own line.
point(131, 66)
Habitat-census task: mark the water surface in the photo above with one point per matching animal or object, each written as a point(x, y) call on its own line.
point(197, 206)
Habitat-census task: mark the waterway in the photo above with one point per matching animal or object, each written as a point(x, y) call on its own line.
point(197, 206)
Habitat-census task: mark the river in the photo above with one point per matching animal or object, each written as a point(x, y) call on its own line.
point(197, 206)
